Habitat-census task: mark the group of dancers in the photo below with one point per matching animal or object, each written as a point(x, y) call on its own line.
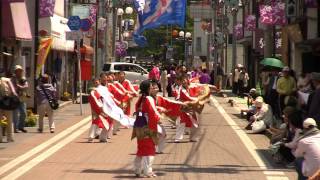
point(111, 100)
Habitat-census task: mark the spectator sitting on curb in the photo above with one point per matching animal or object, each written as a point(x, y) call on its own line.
point(250, 102)
point(308, 150)
point(263, 117)
point(284, 144)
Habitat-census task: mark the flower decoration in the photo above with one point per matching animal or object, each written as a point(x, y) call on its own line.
point(238, 30)
point(273, 14)
point(250, 23)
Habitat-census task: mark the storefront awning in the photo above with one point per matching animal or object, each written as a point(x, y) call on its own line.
point(56, 26)
point(15, 20)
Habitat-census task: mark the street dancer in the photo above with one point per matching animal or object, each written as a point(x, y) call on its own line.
point(146, 131)
point(168, 107)
point(195, 96)
point(129, 87)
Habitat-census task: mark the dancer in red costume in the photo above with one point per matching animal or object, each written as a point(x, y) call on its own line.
point(190, 119)
point(145, 130)
point(170, 108)
point(99, 118)
point(129, 88)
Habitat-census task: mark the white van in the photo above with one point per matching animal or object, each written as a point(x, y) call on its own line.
point(134, 72)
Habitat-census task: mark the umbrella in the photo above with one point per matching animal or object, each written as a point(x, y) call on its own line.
point(273, 62)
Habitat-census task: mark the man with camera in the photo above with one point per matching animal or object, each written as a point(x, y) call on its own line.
point(21, 85)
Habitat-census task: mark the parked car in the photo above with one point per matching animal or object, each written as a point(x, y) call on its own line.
point(134, 73)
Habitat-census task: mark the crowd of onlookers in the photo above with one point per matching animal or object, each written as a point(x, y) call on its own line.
point(289, 109)
point(13, 103)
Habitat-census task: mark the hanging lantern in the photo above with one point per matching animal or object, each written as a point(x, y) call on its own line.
point(175, 33)
point(204, 26)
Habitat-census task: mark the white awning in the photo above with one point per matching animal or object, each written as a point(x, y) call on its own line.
point(56, 26)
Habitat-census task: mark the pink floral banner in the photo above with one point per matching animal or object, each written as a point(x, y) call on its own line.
point(250, 23)
point(274, 14)
point(238, 31)
point(46, 8)
point(93, 14)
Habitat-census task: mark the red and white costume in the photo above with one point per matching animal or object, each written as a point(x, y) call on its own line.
point(146, 146)
point(99, 118)
point(188, 119)
point(118, 94)
point(129, 88)
point(170, 108)
point(104, 111)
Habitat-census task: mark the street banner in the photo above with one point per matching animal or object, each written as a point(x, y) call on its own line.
point(157, 13)
point(46, 8)
point(43, 51)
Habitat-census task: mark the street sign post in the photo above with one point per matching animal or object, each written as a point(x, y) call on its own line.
point(85, 25)
point(74, 24)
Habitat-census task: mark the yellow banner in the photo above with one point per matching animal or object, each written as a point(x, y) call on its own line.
point(44, 48)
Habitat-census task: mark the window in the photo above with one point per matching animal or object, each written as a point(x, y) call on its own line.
point(106, 67)
point(230, 39)
point(198, 44)
point(121, 67)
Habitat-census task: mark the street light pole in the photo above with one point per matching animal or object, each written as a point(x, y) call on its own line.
point(234, 39)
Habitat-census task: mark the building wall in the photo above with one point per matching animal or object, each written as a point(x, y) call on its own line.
point(27, 52)
point(199, 33)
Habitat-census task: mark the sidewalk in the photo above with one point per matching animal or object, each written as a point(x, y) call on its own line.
point(262, 141)
point(67, 115)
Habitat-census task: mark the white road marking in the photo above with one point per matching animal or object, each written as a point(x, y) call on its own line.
point(251, 147)
point(32, 163)
point(273, 173)
point(37, 149)
point(277, 178)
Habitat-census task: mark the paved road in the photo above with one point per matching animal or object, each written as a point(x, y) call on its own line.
point(223, 152)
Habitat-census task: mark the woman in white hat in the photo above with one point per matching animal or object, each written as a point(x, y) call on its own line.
point(308, 150)
point(263, 117)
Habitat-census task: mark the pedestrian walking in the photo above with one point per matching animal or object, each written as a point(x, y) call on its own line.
point(204, 77)
point(164, 81)
point(21, 86)
point(45, 90)
point(220, 75)
point(154, 74)
point(8, 94)
point(236, 76)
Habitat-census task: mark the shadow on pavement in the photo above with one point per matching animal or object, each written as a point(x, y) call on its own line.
point(123, 173)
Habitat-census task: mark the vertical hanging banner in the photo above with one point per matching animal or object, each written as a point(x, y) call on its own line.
point(273, 15)
point(46, 8)
point(93, 14)
point(157, 13)
point(43, 51)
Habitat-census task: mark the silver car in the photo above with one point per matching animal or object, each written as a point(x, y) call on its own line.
point(134, 72)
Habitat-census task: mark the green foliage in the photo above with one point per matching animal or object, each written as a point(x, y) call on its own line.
point(31, 120)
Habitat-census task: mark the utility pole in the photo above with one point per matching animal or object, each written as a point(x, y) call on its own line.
point(234, 39)
point(36, 44)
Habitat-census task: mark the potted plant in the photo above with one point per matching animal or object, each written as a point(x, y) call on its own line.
point(31, 119)
point(66, 96)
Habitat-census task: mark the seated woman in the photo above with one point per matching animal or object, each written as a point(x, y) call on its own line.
point(288, 143)
point(250, 102)
point(263, 117)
